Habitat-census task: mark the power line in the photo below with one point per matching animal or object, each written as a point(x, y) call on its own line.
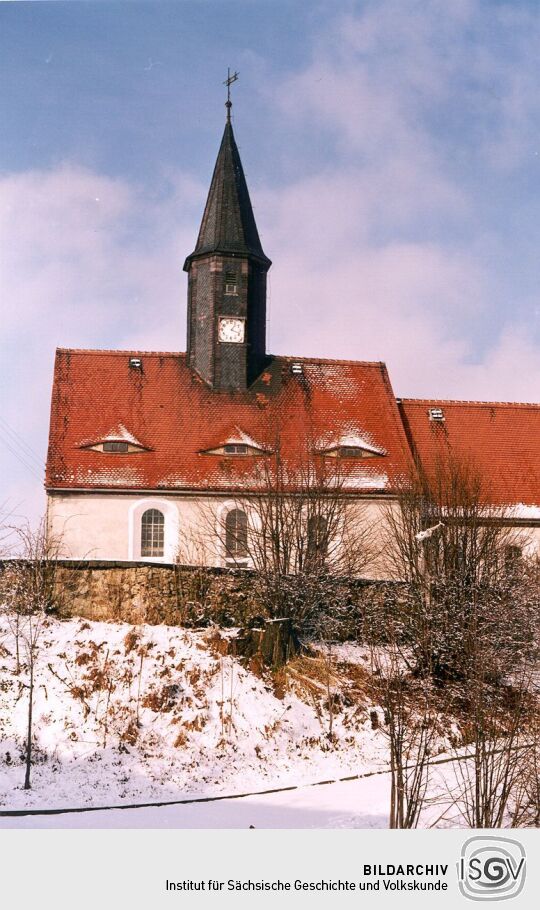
point(18, 440)
point(28, 465)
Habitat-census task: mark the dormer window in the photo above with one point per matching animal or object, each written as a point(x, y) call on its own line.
point(352, 447)
point(235, 448)
point(117, 447)
point(353, 452)
point(231, 286)
point(236, 442)
point(118, 441)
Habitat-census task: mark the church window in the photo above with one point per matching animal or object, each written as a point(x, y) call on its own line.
point(152, 533)
point(230, 282)
point(512, 556)
point(235, 448)
point(115, 447)
point(317, 540)
point(236, 534)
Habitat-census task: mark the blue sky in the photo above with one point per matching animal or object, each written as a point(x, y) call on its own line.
point(392, 149)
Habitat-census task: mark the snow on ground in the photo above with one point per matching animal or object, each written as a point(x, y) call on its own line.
point(354, 804)
point(348, 804)
point(206, 725)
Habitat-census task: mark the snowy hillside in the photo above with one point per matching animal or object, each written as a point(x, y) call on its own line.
point(154, 712)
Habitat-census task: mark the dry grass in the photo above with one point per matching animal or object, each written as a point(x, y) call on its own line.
point(310, 676)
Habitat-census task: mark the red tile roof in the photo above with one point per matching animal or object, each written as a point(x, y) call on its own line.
point(177, 417)
point(501, 438)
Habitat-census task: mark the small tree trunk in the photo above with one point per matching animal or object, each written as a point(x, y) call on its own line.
point(17, 648)
point(276, 643)
point(27, 784)
point(139, 686)
point(393, 823)
point(330, 694)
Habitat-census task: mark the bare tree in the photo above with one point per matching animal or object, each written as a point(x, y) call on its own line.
point(467, 620)
point(465, 589)
point(299, 528)
point(410, 719)
point(29, 591)
point(490, 768)
point(525, 798)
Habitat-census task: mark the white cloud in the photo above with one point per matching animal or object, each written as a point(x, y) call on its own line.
point(373, 257)
point(86, 261)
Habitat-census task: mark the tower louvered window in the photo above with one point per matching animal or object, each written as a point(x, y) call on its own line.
point(231, 286)
point(152, 533)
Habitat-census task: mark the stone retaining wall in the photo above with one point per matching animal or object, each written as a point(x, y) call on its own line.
point(157, 593)
point(176, 595)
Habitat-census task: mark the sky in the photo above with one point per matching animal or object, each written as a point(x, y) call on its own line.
point(391, 148)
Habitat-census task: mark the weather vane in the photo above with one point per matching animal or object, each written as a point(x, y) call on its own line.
point(228, 82)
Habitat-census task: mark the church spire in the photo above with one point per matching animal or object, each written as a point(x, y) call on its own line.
point(228, 224)
point(226, 338)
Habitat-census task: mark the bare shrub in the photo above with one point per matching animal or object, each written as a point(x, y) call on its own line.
point(29, 594)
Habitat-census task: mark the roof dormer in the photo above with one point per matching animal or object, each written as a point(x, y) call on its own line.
point(236, 444)
point(118, 441)
point(351, 446)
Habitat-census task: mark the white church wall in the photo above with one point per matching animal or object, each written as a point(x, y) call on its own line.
point(106, 526)
point(103, 526)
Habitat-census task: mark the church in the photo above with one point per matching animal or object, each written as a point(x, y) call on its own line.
point(143, 443)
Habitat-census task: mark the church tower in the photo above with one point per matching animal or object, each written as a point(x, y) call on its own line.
point(227, 280)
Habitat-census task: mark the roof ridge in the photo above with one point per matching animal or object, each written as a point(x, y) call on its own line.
point(284, 357)
point(122, 353)
point(290, 357)
point(471, 402)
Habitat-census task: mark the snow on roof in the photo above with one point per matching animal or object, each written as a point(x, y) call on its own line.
point(118, 433)
point(350, 434)
point(121, 476)
point(358, 442)
point(520, 510)
point(121, 434)
point(365, 481)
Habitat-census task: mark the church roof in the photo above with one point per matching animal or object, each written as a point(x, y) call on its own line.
point(228, 225)
point(501, 439)
point(179, 418)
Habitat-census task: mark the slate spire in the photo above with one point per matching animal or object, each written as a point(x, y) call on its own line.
point(228, 224)
point(226, 324)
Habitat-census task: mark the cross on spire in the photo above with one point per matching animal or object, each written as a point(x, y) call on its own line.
point(228, 82)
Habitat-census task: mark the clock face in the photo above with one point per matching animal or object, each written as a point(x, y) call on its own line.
point(231, 330)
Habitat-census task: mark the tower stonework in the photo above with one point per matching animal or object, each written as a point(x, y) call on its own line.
point(227, 281)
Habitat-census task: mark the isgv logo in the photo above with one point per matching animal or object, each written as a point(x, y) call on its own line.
point(491, 868)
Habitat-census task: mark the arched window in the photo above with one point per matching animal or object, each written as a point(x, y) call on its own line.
point(236, 534)
point(512, 557)
point(317, 540)
point(152, 533)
